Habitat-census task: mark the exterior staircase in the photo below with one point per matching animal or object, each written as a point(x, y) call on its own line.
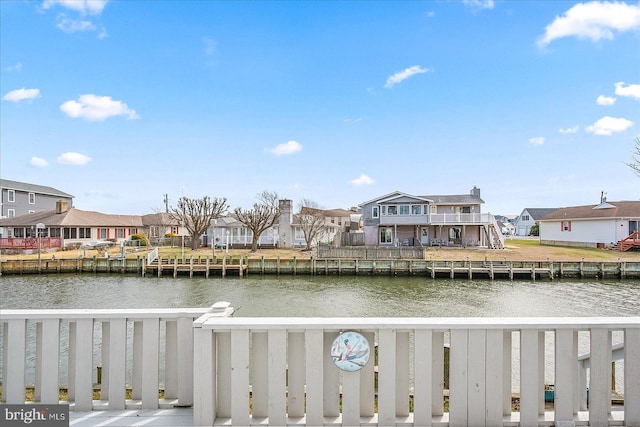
point(630, 242)
point(495, 237)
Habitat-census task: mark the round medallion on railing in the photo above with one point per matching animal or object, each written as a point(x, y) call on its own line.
point(350, 351)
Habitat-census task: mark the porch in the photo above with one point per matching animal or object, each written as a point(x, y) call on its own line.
point(279, 371)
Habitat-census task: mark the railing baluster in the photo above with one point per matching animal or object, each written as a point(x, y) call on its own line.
point(564, 372)
point(402, 373)
point(423, 378)
point(296, 374)
point(437, 370)
point(529, 377)
point(106, 348)
point(458, 378)
point(277, 357)
point(49, 378)
point(387, 377)
point(631, 377)
point(476, 378)
point(150, 354)
point(314, 358)
point(14, 353)
point(185, 361)
point(240, 377)
point(600, 378)
point(136, 392)
point(507, 337)
point(171, 377)
point(84, 365)
point(494, 375)
point(223, 343)
point(117, 363)
point(260, 375)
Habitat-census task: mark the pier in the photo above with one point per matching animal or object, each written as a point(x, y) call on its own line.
point(242, 266)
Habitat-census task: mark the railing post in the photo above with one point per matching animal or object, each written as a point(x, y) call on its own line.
point(631, 377)
point(600, 378)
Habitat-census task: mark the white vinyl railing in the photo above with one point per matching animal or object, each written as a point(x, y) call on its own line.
point(73, 333)
point(461, 218)
point(279, 371)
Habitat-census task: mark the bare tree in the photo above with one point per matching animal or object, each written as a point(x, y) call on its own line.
point(635, 164)
point(196, 215)
point(265, 214)
point(312, 221)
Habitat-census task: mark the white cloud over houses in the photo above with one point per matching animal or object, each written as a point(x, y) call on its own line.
point(85, 7)
point(605, 100)
point(97, 108)
point(38, 162)
point(70, 25)
point(609, 125)
point(16, 67)
point(538, 140)
point(18, 95)
point(400, 76)
point(573, 129)
point(595, 20)
point(74, 159)
point(362, 180)
point(631, 90)
point(286, 148)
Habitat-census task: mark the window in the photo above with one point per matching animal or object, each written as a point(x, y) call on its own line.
point(434, 209)
point(392, 210)
point(425, 210)
point(386, 235)
point(84, 233)
point(299, 234)
point(133, 231)
point(70, 233)
point(102, 233)
point(18, 232)
point(32, 198)
point(416, 209)
point(404, 209)
point(54, 232)
point(565, 226)
point(384, 210)
point(120, 233)
point(11, 213)
point(174, 229)
point(375, 212)
point(11, 196)
point(525, 217)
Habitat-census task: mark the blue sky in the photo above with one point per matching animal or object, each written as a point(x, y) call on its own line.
point(120, 102)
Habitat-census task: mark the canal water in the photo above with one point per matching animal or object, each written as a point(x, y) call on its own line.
point(333, 296)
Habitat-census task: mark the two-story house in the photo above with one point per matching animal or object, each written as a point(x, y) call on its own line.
point(21, 198)
point(400, 219)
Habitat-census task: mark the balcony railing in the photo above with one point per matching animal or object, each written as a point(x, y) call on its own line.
point(242, 371)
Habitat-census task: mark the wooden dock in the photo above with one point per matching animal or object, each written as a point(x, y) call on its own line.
point(242, 266)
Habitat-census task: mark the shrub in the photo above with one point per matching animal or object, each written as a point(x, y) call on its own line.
point(141, 238)
point(171, 235)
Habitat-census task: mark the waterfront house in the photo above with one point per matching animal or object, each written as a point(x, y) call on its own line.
point(286, 233)
point(400, 219)
point(528, 219)
point(599, 225)
point(21, 198)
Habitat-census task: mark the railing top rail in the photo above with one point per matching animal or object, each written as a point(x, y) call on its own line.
point(142, 313)
point(407, 323)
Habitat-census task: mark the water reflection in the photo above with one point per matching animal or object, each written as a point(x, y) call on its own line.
point(320, 296)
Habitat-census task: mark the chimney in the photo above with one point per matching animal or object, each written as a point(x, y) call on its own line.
point(475, 192)
point(61, 206)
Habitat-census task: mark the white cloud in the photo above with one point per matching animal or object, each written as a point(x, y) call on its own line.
point(574, 129)
point(480, 4)
point(605, 100)
point(16, 67)
point(97, 108)
point(404, 74)
point(538, 140)
point(631, 90)
point(286, 148)
point(90, 7)
point(362, 180)
point(210, 46)
point(608, 125)
point(38, 162)
point(75, 159)
point(594, 20)
point(21, 94)
point(69, 25)
point(431, 14)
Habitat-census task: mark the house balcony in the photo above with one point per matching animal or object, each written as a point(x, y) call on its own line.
point(279, 371)
point(438, 219)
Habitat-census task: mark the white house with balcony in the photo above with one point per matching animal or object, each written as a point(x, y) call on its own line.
point(400, 219)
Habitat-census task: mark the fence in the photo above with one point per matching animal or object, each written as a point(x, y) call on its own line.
point(370, 252)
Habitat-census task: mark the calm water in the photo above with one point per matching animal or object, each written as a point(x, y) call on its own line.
point(328, 296)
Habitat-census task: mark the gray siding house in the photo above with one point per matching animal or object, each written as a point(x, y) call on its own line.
point(400, 219)
point(21, 198)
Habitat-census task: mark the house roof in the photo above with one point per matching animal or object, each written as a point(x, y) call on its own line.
point(32, 188)
point(537, 213)
point(448, 199)
point(623, 209)
point(72, 218)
